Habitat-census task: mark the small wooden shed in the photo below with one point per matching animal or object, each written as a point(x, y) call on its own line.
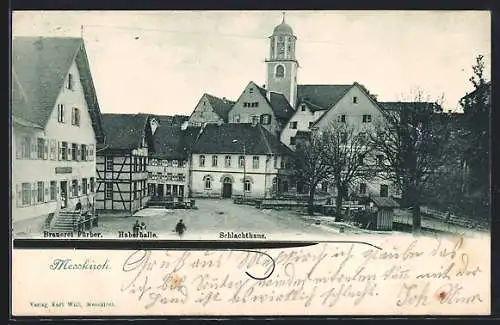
point(384, 209)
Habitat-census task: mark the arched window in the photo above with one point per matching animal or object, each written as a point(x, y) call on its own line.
point(208, 182)
point(227, 161)
point(202, 161)
point(280, 71)
point(248, 185)
point(227, 180)
point(214, 161)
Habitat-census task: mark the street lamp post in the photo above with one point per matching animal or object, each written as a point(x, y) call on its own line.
point(244, 165)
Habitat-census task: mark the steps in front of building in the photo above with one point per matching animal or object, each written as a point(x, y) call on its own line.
point(65, 221)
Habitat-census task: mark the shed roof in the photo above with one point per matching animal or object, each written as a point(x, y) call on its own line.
point(384, 202)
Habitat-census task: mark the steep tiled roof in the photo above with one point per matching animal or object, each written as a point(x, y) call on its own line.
point(323, 96)
point(124, 131)
point(313, 107)
point(169, 120)
point(189, 137)
point(41, 65)
point(398, 106)
point(221, 106)
point(281, 107)
point(279, 104)
point(167, 142)
point(257, 140)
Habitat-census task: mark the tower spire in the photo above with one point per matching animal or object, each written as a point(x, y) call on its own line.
point(283, 19)
point(81, 31)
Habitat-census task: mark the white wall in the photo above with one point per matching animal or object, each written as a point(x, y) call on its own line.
point(303, 118)
point(249, 95)
point(33, 170)
point(354, 111)
point(260, 177)
point(204, 113)
point(354, 118)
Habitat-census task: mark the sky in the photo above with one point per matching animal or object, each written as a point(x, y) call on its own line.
point(162, 62)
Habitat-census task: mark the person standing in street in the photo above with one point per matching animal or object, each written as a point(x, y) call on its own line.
point(180, 228)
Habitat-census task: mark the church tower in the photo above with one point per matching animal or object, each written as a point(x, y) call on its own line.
point(282, 65)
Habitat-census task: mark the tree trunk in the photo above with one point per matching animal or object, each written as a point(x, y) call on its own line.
point(338, 202)
point(417, 219)
point(310, 201)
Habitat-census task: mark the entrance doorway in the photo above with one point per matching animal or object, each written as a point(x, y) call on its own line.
point(181, 190)
point(161, 190)
point(64, 194)
point(227, 188)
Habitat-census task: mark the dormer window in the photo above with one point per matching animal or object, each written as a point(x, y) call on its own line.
point(354, 100)
point(250, 90)
point(303, 107)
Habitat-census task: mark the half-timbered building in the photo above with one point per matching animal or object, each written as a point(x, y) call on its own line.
point(55, 127)
point(121, 163)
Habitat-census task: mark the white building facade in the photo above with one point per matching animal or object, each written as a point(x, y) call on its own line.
point(53, 154)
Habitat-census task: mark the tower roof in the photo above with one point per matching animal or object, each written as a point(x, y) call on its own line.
point(283, 28)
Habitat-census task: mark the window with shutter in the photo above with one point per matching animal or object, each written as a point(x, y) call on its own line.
point(59, 150)
point(53, 191)
point(53, 150)
point(91, 152)
point(45, 149)
point(68, 153)
point(34, 193)
point(34, 150)
point(47, 192)
point(78, 153)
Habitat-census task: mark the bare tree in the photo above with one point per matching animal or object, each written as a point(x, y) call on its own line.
point(413, 139)
point(349, 155)
point(311, 165)
point(336, 153)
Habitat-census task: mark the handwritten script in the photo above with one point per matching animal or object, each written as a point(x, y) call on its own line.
point(402, 275)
